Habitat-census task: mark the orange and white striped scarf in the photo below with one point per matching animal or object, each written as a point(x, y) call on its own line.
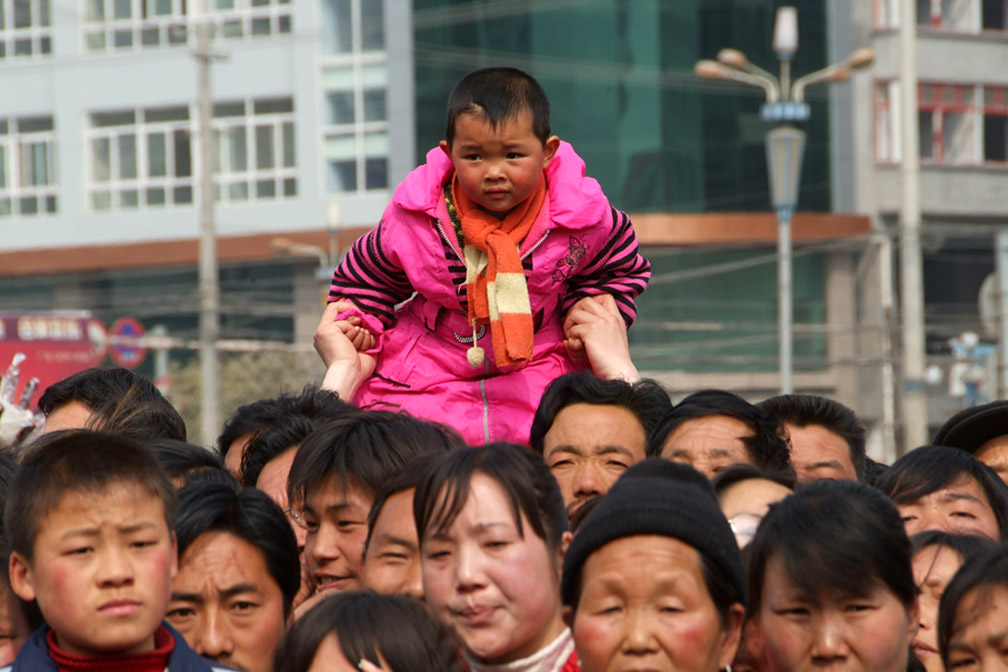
point(495, 280)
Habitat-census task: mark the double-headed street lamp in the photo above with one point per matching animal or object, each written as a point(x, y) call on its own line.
point(785, 144)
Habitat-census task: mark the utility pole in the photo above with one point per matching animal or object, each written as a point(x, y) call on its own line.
point(209, 282)
point(1001, 259)
point(914, 393)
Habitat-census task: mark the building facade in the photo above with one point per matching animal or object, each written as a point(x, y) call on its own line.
point(312, 119)
point(962, 130)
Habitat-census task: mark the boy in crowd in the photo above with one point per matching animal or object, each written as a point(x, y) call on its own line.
point(89, 517)
point(333, 481)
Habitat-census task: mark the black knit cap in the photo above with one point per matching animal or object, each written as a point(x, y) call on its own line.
point(972, 427)
point(657, 497)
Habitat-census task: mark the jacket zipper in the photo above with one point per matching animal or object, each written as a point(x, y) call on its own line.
point(458, 255)
point(536, 246)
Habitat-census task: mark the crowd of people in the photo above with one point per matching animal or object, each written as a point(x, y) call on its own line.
point(483, 481)
point(626, 533)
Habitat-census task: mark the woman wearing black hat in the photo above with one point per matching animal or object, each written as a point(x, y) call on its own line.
point(653, 579)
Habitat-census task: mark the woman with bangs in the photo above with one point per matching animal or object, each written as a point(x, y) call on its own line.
point(972, 632)
point(493, 531)
point(941, 488)
point(831, 584)
point(937, 557)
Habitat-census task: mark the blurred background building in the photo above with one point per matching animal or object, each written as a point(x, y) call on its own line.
point(322, 107)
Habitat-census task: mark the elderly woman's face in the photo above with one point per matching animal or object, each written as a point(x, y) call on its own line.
point(644, 605)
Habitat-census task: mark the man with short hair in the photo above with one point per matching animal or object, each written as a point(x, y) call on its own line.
point(711, 430)
point(111, 400)
point(827, 438)
point(288, 414)
point(589, 431)
point(238, 573)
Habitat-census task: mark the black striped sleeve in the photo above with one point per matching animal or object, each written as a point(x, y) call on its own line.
point(617, 269)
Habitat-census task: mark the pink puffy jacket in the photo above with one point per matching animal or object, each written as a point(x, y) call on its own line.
point(578, 246)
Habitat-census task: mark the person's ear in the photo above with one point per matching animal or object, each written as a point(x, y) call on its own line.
point(733, 622)
point(22, 580)
point(565, 541)
point(445, 147)
point(550, 150)
point(567, 614)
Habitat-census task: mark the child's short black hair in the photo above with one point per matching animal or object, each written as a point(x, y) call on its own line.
point(499, 94)
point(78, 461)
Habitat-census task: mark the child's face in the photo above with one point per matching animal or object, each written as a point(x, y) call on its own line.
point(102, 570)
point(499, 168)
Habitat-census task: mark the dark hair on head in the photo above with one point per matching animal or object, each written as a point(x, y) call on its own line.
point(408, 479)
point(391, 629)
point(249, 515)
point(8, 467)
point(220, 476)
point(737, 473)
point(981, 572)
point(499, 95)
point(767, 447)
point(963, 545)
point(182, 460)
point(526, 480)
point(834, 536)
point(872, 470)
point(311, 403)
point(121, 402)
point(301, 414)
point(78, 462)
point(366, 448)
point(582, 513)
point(802, 410)
point(646, 400)
point(928, 469)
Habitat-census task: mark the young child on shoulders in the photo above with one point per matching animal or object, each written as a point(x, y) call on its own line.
point(89, 517)
point(500, 236)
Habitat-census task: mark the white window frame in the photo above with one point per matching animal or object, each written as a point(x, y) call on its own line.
point(117, 188)
point(36, 37)
point(153, 29)
point(17, 190)
point(252, 180)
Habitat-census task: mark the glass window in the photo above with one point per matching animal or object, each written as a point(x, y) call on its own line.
point(340, 108)
point(337, 27)
point(157, 155)
point(342, 176)
point(376, 173)
point(372, 25)
point(374, 105)
point(265, 157)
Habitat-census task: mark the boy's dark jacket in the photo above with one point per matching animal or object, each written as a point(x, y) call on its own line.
point(34, 656)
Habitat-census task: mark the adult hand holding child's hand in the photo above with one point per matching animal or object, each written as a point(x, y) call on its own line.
point(594, 329)
point(341, 344)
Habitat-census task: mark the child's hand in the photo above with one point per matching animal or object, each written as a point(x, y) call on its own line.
point(361, 337)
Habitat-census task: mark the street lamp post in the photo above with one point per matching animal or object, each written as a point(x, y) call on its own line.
point(785, 145)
